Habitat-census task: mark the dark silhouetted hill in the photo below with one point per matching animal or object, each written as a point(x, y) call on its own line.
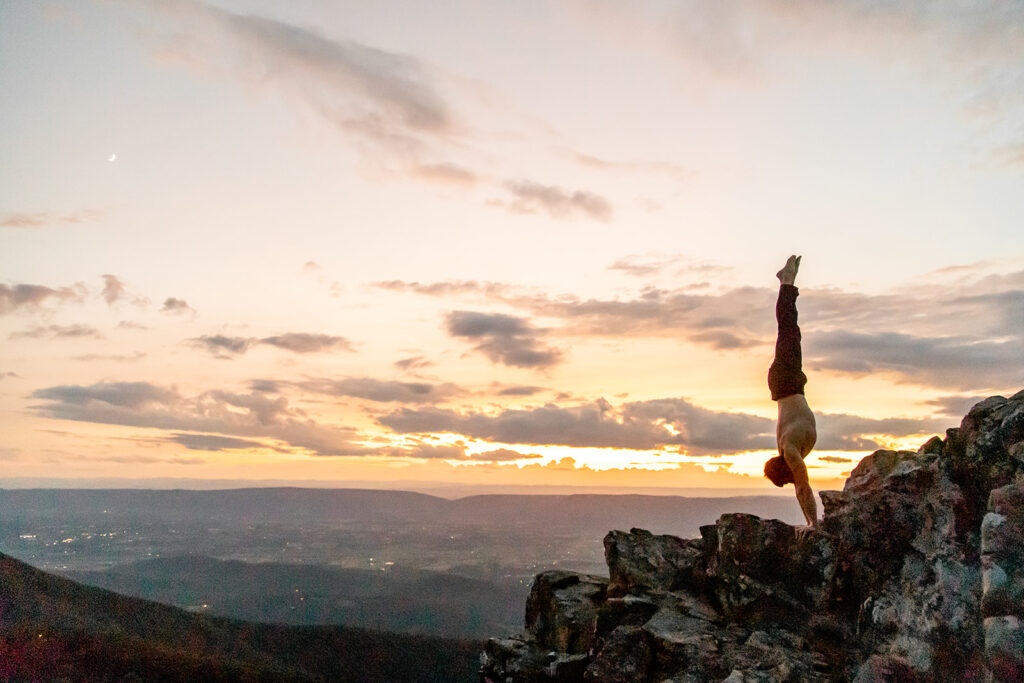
point(52, 628)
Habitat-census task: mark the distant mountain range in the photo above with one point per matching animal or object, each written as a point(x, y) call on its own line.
point(52, 628)
point(583, 513)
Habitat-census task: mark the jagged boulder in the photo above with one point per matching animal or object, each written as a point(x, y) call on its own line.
point(561, 611)
point(639, 562)
point(987, 451)
point(905, 561)
point(915, 574)
point(1002, 599)
point(625, 658)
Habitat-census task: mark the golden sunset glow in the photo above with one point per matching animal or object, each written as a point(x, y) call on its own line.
point(392, 242)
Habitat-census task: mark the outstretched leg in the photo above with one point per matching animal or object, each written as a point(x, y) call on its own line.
point(785, 376)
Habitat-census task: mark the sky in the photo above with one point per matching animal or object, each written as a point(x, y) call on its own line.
point(493, 243)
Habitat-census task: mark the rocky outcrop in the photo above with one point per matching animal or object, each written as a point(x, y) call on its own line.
point(915, 574)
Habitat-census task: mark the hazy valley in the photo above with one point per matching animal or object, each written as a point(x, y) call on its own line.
point(384, 560)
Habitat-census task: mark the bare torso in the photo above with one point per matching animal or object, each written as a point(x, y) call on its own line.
point(796, 424)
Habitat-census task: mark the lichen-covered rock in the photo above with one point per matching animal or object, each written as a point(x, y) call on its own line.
point(1002, 599)
point(1004, 648)
point(562, 609)
point(763, 570)
point(1002, 553)
point(873, 470)
point(886, 669)
point(513, 659)
point(640, 561)
point(915, 574)
point(979, 452)
point(625, 657)
point(902, 559)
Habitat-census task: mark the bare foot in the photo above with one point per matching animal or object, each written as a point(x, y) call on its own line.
point(788, 273)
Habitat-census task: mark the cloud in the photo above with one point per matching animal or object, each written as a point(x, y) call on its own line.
point(736, 319)
point(834, 458)
point(135, 458)
point(745, 312)
point(949, 362)
point(735, 40)
point(959, 330)
point(43, 219)
point(677, 265)
point(934, 334)
point(10, 454)
point(699, 430)
point(642, 266)
point(671, 423)
point(427, 451)
point(265, 386)
point(954, 406)
point(588, 425)
point(448, 173)
point(113, 289)
point(533, 197)
point(1010, 154)
point(653, 167)
point(116, 358)
point(724, 340)
point(843, 432)
point(176, 306)
point(502, 455)
point(413, 363)
point(58, 332)
point(447, 287)
point(519, 390)
point(131, 325)
point(116, 394)
point(311, 267)
point(382, 391)
point(503, 338)
point(301, 342)
point(212, 442)
point(32, 296)
point(395, 107)
point(142, 404)
point(223, 346)
point(739, 318)
point(388, 99)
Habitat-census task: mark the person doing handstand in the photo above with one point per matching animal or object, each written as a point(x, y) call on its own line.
point(795, 431)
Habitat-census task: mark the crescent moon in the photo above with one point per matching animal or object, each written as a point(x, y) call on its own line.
point(113, 157)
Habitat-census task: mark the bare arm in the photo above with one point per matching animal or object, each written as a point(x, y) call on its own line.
point(804, 493)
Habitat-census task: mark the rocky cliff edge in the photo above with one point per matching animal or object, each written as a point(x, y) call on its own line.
point(915, 574)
